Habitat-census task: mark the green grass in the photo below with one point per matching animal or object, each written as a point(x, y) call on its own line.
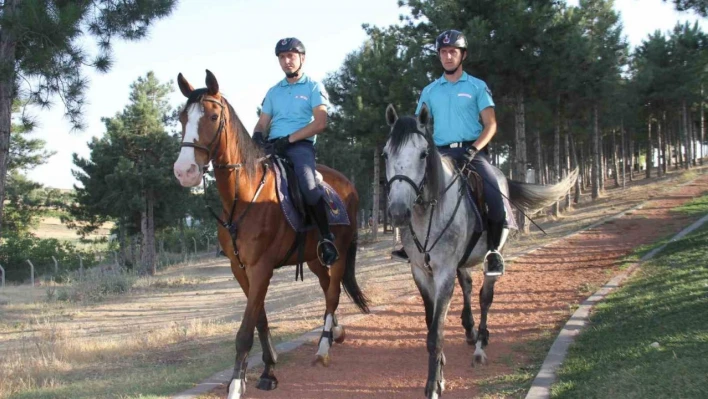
point(517, 383)
point(665, 303)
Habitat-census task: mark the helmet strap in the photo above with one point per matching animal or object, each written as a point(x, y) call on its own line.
point(457, 68)
point(297, 71)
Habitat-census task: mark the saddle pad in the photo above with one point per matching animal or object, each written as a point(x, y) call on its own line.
point(479, 226)
point(337, 214)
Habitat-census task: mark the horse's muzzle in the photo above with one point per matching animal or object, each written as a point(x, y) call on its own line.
point(189, 176)
point(400, 214)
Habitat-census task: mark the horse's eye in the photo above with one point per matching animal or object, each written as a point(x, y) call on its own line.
point(384, 155)
point(214, 117)
point(424, 154)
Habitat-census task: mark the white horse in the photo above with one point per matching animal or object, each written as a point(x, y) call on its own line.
point(427, 201)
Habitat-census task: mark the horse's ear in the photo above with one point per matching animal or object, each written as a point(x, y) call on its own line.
point(184, 86)
point(424, 115)
point(211, 83)
point(391, 115)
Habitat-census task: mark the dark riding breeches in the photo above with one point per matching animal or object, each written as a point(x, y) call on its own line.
point(481, 164)
point(302, 155)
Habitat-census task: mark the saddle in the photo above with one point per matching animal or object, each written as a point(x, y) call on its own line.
point(292, 203)
point(476, 197)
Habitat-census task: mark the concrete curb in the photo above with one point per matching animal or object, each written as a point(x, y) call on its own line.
point(541, 385)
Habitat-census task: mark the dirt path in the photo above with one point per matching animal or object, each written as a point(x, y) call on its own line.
point(385, 353)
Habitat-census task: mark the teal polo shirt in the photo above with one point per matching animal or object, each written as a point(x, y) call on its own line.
point(455, 108)
point(290, 105)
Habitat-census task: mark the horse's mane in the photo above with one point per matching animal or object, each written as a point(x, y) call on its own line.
point(403, 129)
point(249, 152)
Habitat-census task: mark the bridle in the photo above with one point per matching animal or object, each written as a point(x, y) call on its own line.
point(211, 152)
point(417, 188)
point(423, 248)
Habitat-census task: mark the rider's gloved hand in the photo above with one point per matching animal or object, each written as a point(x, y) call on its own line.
point(470, 153)
point(281, 145)
point(259, 138)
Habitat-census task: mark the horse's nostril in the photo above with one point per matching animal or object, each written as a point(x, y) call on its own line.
point(192, 170)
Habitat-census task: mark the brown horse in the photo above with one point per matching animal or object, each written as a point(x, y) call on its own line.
point(253, 231)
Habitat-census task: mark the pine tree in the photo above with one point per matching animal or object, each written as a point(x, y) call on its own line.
point(40, 43)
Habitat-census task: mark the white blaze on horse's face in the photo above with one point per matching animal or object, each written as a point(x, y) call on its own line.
point(186, 169)
point(410, 161)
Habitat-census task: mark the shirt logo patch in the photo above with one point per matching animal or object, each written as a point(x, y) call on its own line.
point(302, 97)
point(464, 95)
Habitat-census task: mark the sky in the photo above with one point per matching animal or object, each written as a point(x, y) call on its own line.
point(235, 39)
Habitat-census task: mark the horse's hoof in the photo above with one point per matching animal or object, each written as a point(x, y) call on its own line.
point(433, 389)
point(479, 359)
point(338, 334)
point(267, 384)
point(470, 338)
point(321, 359)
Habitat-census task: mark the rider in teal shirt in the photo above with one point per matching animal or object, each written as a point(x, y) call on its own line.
point(295, 110)
point(463, 124)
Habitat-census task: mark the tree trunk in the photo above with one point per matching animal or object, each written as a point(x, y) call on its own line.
point(615, 172)
point(375, 205)
point(686, 143)
point(649, 160)
point(663, 139)
point(520, 146)
point(595, 170)
point(624, 156)
point(631, 159)
point(556, 157)
point(703, 130)
point(658, 148)
point(567, 168)
point(122, 242)
point(694, 142)
point(603, 163)
point(538, 164)
point(583, 168)
point(8, 45)
point(147, 219)
point(576, 199)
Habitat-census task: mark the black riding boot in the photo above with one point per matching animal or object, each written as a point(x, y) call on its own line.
point(496, 237)
point(400, 254)
point(326, 244)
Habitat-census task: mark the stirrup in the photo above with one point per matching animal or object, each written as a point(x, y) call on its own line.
point(320, 252)
point(493, 273)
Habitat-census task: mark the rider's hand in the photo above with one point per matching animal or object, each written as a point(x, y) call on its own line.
point(470, 153)
point(281, 145)
point(259, 139)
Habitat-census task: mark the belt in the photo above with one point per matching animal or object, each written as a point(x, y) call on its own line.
point(459, 144)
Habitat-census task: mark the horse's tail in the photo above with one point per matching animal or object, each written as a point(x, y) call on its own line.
point(531, 197)
point(349, 280)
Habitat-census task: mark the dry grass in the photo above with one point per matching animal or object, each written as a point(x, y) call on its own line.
point(53, 350)
point(52, 227)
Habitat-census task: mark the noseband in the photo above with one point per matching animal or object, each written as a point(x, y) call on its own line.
point(211, 152)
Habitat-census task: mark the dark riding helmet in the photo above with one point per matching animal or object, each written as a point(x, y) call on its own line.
point(289, 44)
point(451, 38)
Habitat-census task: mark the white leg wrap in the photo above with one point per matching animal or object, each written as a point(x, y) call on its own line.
point(324, 343)
point(236, 389)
